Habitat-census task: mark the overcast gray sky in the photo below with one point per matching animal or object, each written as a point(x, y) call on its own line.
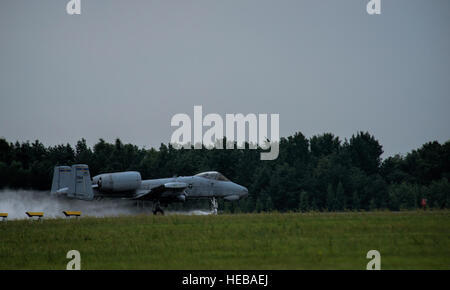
point(124, 68)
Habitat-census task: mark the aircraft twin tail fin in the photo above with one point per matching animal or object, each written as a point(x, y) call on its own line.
point(62, 176)
point(73, 181)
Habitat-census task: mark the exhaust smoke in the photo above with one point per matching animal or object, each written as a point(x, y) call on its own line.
point(17, 202)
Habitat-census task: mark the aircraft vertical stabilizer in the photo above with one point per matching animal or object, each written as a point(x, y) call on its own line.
point(81, 185)
point(62, 177)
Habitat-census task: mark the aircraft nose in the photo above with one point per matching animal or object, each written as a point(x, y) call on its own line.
point(244, 191)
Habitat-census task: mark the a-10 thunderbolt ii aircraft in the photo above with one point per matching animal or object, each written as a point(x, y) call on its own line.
point(75, 182)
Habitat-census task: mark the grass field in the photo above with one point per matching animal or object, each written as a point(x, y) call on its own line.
point(406, 240)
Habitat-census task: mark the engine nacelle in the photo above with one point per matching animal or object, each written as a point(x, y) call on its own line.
point(118, 182)
point(231, 197)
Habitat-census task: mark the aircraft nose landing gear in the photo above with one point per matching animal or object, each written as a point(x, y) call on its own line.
point(157, 208)
point(214, 205)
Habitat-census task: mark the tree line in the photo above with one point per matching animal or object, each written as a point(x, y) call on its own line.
point(323, 173)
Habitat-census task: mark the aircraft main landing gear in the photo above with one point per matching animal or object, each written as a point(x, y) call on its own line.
point(214, 205)
point(157, 208)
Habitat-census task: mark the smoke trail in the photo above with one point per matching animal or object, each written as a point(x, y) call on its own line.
point(17, 202)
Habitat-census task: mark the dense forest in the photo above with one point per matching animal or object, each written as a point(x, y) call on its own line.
point(320, 173)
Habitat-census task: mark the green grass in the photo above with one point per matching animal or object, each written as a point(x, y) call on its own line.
point(406, 240)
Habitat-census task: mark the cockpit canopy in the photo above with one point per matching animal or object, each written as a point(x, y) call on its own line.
point(213, 175)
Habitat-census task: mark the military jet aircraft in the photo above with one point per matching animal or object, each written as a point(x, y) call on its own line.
point(75, 182)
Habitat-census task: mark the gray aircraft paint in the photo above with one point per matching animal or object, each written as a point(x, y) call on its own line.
point(129, 185)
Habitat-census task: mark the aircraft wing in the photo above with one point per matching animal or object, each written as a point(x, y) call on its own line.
point(167, 190)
